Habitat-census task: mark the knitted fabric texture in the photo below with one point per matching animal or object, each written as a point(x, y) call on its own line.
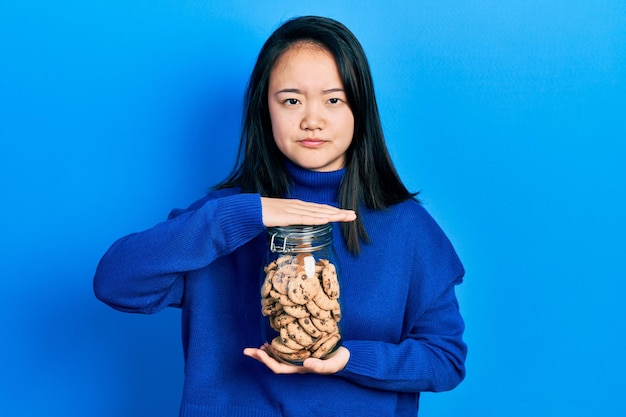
point(401, 321)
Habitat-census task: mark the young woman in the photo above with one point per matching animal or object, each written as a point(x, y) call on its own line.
point(312, 152)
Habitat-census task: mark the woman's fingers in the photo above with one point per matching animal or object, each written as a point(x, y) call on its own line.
point(335, 363)
point(275, 366)
point(287, 212)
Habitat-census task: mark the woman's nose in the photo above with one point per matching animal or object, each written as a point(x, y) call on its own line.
point(313, 118)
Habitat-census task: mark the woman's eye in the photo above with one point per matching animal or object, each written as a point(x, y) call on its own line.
point(292, 101)
point(334, 100)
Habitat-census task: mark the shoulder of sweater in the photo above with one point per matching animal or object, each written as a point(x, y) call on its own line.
point(408, 209)
point(409, 216)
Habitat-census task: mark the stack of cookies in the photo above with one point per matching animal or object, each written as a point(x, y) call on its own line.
point(300, 296)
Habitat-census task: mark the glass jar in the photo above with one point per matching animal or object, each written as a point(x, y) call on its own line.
point(300, 293)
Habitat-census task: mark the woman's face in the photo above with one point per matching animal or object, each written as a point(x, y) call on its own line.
point(311, 120)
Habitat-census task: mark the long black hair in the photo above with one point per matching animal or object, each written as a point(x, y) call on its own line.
point(371, 178)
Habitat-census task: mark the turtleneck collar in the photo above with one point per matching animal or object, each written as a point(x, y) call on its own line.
point(319, 187)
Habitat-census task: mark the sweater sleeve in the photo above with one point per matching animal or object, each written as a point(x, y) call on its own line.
point(144, 272)
point(430, 354)
point(430, 358)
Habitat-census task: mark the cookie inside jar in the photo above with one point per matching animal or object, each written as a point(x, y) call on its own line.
point(300, 293)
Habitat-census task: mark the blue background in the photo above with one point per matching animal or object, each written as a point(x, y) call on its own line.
point(509, 116)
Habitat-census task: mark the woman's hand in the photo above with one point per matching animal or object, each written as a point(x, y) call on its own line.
point(288, 212)
point(333, 364)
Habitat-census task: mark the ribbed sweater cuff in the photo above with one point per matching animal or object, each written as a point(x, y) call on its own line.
point(223, 410)
point(241, 216)
point(361, 362)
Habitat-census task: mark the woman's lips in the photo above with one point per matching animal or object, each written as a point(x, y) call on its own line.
point(311, 142)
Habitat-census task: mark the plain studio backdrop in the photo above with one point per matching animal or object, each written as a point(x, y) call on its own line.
point(508, 116)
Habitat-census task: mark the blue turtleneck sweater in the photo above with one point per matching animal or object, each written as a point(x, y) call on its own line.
point(401, 321)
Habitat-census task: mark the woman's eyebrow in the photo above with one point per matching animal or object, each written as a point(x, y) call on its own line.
point(298, 91)
point(288, 90)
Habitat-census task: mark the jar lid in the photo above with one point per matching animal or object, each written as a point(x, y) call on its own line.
point(285, 239)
